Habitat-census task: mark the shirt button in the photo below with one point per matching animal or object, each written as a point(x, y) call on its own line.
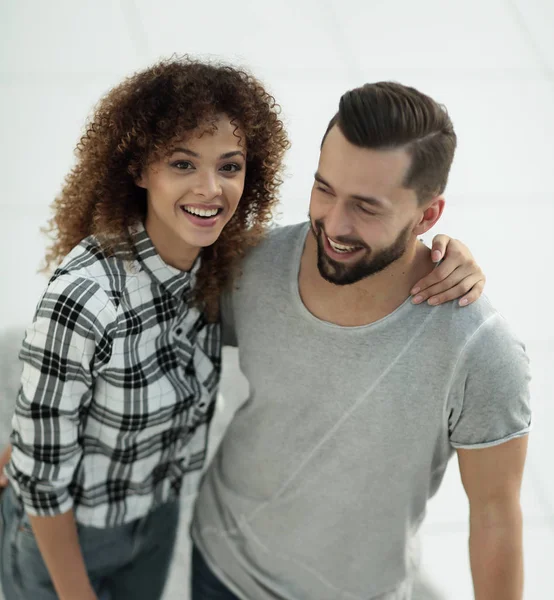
point(178, 331)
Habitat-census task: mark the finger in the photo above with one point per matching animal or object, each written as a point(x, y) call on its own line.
point(438, 275)
point(474, 294)
point(459, 290)
point(438, 247)
point(457, 276)
point(465, 275)
point(3, 481)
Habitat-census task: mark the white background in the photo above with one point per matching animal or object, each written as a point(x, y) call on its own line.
point(491, 62)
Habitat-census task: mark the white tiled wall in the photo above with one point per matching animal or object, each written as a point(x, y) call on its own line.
point(491, 62)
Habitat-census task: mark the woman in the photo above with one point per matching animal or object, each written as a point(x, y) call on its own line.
point(176, 178)
point(122, 362)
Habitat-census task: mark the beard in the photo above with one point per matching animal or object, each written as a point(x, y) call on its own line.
point(370, 263)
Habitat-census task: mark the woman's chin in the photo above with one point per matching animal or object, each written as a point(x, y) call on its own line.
point(201, 240)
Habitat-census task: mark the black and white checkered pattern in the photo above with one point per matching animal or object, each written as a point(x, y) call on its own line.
point(119, 384)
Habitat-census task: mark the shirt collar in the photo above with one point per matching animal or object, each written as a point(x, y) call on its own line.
point(176, 282)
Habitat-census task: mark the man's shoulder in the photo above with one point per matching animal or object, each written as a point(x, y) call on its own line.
point(494, 331)
point(277, 245)
point(477, 329)
point(283, 235)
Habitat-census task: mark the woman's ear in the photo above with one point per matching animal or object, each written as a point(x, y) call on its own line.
point(140, 181)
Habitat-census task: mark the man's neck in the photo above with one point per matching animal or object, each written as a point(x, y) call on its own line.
point(368, 300)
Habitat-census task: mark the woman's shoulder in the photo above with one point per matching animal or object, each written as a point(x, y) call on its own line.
point(88, 266)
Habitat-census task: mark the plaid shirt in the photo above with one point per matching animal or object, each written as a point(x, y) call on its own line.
point(119, 383)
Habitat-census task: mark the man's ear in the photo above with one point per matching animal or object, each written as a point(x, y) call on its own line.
point(432, 212)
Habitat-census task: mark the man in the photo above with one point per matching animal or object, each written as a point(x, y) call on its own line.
point(358, 398)
point(456, 277)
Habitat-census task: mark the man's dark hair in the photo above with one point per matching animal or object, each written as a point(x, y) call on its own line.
point(388, 115)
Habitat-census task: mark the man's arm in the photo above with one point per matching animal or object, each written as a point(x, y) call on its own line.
point(492, 481)
point(227, 318)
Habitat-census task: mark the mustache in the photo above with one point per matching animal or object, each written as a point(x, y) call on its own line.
point(319, 229)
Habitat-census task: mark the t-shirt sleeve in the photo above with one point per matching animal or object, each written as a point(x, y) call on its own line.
point(489, 396)
point(229, 335)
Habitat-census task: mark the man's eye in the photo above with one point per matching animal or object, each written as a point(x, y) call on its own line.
point(324, 190)
point(366, 210)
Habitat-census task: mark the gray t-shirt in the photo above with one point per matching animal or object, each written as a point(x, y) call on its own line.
point(321, 482)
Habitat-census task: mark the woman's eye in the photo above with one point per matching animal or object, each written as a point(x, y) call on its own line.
point(231, 168)
point(183, 165)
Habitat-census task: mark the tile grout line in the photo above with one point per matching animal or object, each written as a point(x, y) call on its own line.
point(342, 47)
point(137, 32)
point(521, 22)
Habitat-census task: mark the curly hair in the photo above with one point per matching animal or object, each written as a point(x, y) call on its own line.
point(134, 125)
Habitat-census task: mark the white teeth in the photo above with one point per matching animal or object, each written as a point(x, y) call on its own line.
point(340, 247)
point(201, 212)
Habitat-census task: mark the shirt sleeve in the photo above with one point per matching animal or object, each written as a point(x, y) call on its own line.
point(10, 376)
point(229, 335)
point(59, 354)
point(490, 400)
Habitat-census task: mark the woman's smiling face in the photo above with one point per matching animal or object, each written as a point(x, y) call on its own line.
point(194, 191)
